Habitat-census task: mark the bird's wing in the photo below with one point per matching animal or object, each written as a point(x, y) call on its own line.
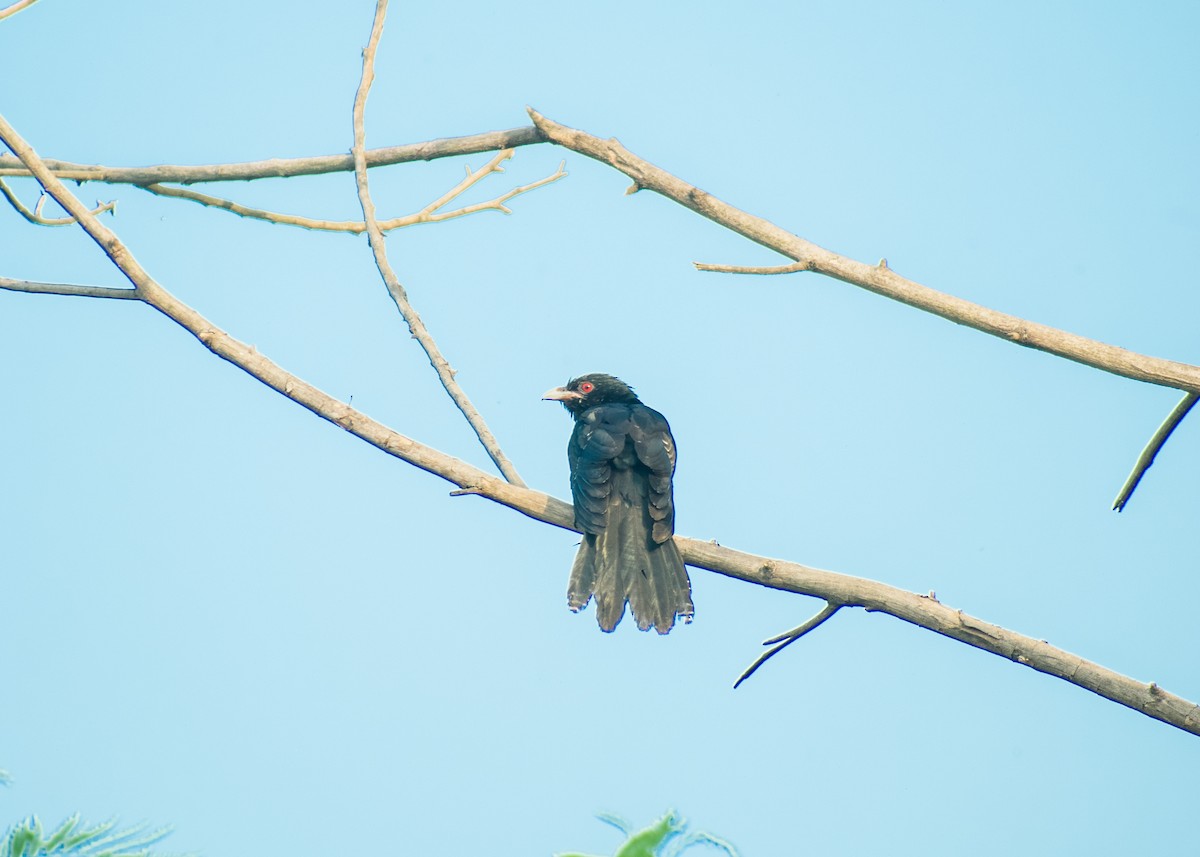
point(599, 436)
point(655, 448)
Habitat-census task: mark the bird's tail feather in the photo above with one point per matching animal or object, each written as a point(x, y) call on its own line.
point(623, 564)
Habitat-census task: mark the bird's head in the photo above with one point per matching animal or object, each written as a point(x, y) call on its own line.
point(587, 391)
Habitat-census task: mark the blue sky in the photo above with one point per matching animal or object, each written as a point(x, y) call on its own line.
point(224, 614)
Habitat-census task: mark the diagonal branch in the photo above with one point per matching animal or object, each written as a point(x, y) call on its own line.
point(1152, 448)
point(876, 278)
point(15, 8)
point(925, 612)
point(417, 327)
point(446, 147)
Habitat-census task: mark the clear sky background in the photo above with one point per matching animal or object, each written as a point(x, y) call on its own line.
point(222, 613)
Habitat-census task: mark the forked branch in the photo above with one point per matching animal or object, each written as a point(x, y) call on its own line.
point(35, 217)
point(782, 641)
point(428, 214)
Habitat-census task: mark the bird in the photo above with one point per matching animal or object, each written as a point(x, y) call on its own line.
point(622, 459)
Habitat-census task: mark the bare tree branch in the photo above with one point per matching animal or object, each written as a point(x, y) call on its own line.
point(834, 588)
point(35, 216)
point(926, 612)
point(473, 177)
point(429, 214)
point(440, 365)
point(446, 147)
point(1152, 448)
point(15, 8)
point(876, 278)
point(66, 289)
point(793, 268)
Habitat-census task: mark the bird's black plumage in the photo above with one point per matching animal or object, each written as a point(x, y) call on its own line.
point(622, 458)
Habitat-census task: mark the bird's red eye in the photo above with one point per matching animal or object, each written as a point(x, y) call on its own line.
point(586, 387)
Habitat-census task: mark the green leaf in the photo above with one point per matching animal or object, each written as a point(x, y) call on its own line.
point(74, 839)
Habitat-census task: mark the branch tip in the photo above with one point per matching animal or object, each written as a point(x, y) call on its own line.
point(793, 268)
point(1152, 448)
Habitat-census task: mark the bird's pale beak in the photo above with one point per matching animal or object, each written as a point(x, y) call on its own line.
point(561, 394)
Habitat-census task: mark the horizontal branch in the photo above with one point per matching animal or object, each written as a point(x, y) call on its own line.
point(446, 147)
point(794, 268)
point(66, 289)
point(876, 278)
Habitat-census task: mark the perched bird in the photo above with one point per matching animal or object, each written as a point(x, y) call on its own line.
point(622, 458)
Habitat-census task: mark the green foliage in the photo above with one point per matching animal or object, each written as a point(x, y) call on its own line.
point(73, 839)
point(667, 837)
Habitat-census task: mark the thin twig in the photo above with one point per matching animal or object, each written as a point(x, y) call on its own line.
point(440, 365)
point(876, 278)
point(35, 216)
point(793, 268)
point(446, 147)
point(15, 8)
point(470, 180)
point(66, 289)
point(256, 213)
point(425, 215)
point(430, 214)
point(786, 639)
point(923, 611)
point(1152, 448)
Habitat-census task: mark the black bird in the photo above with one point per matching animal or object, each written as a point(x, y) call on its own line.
point(622, 458)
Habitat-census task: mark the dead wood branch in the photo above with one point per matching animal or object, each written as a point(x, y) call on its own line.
point(834, 588)
point(876, 278)
point(447, 147)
